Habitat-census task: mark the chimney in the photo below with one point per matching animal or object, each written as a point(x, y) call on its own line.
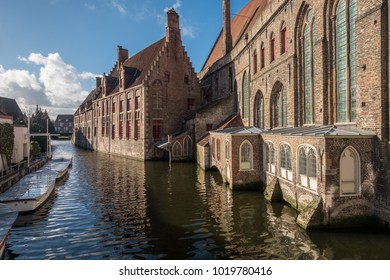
point(226, 33)
point(98, 82)
point(173, 31)
point(123, 54)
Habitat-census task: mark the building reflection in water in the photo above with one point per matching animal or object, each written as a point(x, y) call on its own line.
point(115, 208)
point(253, 228)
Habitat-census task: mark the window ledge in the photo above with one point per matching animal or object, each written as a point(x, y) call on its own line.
point(285, 179)
point(307, 189)
point(246, 170)
point(350, 195)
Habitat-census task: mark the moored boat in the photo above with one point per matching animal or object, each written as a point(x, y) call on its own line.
point(31, 192)
point(7, 219)
point(59, 165)
point(34, 189)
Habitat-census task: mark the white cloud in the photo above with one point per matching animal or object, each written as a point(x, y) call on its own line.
point(57, 87)
point(16, 83)
point(175, 6)
point(121, 8)
point(186, 27)
point(91, 7)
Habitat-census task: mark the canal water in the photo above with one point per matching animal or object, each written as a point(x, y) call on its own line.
point(111, 207)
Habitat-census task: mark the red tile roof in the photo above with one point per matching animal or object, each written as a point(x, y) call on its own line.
point(143, 60)
point(243, 21)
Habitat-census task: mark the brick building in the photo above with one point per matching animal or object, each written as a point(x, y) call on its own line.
point(64, 124)
point(142, 101)
point(313, 78)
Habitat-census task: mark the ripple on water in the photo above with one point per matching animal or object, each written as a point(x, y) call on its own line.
point(115, 208)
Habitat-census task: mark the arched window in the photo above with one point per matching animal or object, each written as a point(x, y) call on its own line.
point(285, 158)
point(187, 146)
point(235, 101)
point(157, 100)
point(246, 156)
point(345, 26)
point(307, 167)
point(177, 151)
point(255, 61)
point(218, 150)
point(227, 150)
point(349, 172)
point(259, 110)
point(269, 157)
point(272, 47)
point(283, 38)
point(309, 37)
point(262, 56)
point(245, 96)
point(213, 147)
point(279, 107)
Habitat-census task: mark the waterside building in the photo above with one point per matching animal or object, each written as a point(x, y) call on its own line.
point(139, 109)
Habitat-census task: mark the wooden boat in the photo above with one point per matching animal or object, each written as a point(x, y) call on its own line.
point(31, 192)
point(60, 165)
point(7, 219)
point(34, 189)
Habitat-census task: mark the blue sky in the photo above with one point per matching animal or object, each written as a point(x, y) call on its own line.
point(51, 50)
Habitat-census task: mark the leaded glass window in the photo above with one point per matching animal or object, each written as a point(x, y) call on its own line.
point(308, 63)
point(245, 96)
point(269, 159)
point(246, 156)
point(307, 162)
point(285, 161)
point(346, 14)
point(259, 110)
point(279, 108)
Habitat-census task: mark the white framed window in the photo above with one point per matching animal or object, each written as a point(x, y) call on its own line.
point(285, 160)
point(350, 172)
point(227, 150)
point(177, 149)
point(246, 156)
point(307, 167)
point(269, 157)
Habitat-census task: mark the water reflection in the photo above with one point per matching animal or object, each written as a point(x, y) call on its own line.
point(115, 208)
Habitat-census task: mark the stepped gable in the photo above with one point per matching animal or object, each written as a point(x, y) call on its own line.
point(138, 65)
point(241, 22)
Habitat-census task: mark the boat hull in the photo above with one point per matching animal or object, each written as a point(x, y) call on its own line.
point(2, 245)
point(7, 219)
point(29, 205)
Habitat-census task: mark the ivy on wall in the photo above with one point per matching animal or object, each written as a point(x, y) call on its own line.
point(6, 140)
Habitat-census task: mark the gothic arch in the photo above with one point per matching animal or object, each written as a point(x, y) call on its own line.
point(245, 96)
point(246, 155)
point(350, 172)
point(258, 110)
point(278, 106)
point(177, 149)
point(187, 143)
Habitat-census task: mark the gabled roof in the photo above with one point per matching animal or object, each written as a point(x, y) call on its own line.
point(63, 117)
point(87, 102)
point(9, 107)
point(203, 141)
point(243, 21)
point(320, 130)
point(139, 64)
